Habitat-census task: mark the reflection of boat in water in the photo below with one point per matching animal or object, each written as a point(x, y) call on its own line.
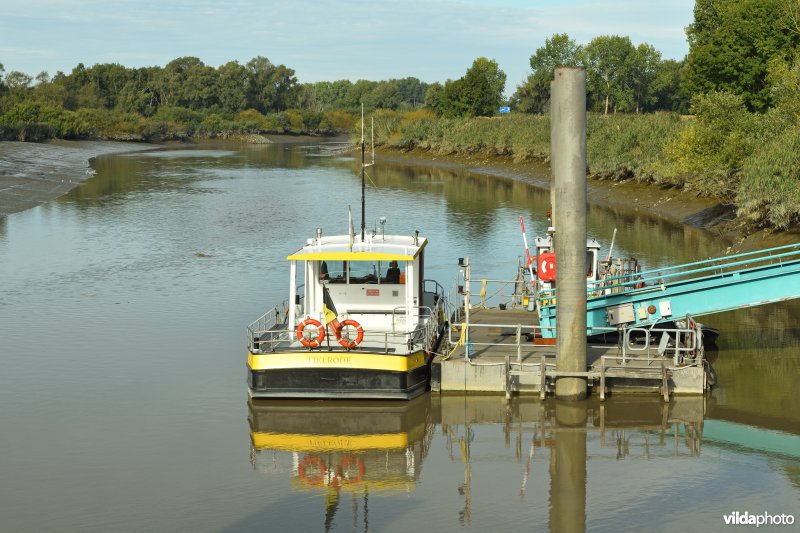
point(342, 447)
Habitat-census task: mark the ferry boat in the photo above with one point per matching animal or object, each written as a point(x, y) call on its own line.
point(361, 321)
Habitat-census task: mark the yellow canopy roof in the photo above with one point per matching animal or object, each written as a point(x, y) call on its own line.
point(375, 248)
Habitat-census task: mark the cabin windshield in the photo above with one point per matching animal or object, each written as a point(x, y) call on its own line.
point(360, 272)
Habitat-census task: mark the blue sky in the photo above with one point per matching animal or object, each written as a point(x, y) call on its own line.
point(325, 39)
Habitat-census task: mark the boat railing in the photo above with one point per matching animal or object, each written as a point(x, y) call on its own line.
point(271, 332)
point(268, 328)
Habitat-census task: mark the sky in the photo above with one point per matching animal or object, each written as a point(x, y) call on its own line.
point(433, 40)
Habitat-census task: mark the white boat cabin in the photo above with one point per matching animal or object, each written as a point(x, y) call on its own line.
point(378, 282)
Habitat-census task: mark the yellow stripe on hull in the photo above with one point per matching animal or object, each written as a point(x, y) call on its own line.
point(297, 442)
point(348, 360)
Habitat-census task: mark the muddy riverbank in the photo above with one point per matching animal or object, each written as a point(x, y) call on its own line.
point(671, 204)
point(34, 173)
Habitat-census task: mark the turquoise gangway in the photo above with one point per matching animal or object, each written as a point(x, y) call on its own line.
point(696, 289)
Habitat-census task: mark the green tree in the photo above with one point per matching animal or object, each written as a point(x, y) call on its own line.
point(784, 78)
point(141, 93)
point(232, 82)
point(668, 89)
point(411, 91)
point(484, 83)
point(331, 94)
point(18, 86)
point(609, 62)
point(48, 93)
point(454, 100)
point(191, 83)
point(731, 43)
point(533, 95)
point(270, 87)
point(107, 79)
point(386, 95)
point(360, 93)
point(645, 62)
point(433, 97)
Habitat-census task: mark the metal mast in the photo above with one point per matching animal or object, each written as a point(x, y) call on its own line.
point(363, 182)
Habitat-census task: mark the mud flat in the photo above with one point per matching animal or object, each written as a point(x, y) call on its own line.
point(34, 173)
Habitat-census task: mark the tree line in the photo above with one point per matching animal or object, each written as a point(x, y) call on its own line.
point(742, 47)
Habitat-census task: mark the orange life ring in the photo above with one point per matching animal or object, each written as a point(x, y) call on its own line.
point(312, 342)
point(346, 462)
point(348, 343)
point(312, 462)
point(546, 266)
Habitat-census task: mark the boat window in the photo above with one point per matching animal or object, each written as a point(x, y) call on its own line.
point(337, 271)
point(364, 271)
point(590, 255)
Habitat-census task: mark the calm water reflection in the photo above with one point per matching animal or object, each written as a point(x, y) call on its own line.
point(122, 312)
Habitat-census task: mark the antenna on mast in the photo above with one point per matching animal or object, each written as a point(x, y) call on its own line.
point(363, 182)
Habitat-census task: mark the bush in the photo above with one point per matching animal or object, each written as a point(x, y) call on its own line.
point(769, 192)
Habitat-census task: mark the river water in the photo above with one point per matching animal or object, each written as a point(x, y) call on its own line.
point(123, 404)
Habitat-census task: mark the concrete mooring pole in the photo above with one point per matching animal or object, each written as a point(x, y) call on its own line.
point(568, 105)
point(553, 150)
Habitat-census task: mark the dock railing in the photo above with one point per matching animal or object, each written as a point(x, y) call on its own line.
point(506, 293)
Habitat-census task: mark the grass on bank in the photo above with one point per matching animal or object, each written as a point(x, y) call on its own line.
point(749, 160)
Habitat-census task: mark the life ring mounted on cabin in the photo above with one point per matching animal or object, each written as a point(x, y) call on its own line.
point(347, 342)
point(310, 342)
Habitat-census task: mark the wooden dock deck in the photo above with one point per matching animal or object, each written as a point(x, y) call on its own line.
point(503, 359)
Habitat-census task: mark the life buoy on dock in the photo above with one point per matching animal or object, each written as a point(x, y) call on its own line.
point(345, 467)
point(312, 470)
point(310, 342)
point(350, 343)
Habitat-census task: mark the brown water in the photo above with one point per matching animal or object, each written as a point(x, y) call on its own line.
point(122, 357)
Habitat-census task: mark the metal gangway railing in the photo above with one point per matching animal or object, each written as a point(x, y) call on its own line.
point(703, 287)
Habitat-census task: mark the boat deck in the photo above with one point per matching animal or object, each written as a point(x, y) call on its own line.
point(503, 359)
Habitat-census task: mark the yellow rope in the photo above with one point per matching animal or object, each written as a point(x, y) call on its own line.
point(459, 342)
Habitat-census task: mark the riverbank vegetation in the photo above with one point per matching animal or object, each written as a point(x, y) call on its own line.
point(722, 122)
